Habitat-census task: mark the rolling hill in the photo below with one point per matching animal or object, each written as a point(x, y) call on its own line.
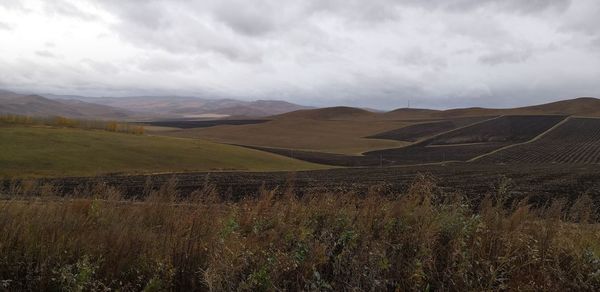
point(336, 136)
point(35, 105)
point(329, 113)
point(188, 106)
point(345, 130)
point(42, 151)
point(583, 106)
point(409, 114)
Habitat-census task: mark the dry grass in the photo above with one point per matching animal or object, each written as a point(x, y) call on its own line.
point(421, 240)
point(110, 126)
point(50, 151)
point(334, 136)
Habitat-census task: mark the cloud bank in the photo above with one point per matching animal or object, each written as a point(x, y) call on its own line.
point(379, 53)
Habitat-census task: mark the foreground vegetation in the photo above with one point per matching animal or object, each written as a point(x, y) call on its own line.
point(51, 151)
point(419, 240)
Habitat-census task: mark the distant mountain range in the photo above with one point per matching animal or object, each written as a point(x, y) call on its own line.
point(583, 106)
point(35, 105)
point(139, 107)
point(188, 107)
point(185, 107)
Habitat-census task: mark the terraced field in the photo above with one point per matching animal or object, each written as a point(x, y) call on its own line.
point(426, 153)
point(576, 141)
point(416, 132)
point(503, 129)
point(459, 145)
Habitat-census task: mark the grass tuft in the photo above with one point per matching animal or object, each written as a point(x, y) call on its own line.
point(419, 240)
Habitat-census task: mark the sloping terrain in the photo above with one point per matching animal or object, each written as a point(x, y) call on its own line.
point(35, 105)
point(576, 141)
point(583, 106)
point(42, 151)
point(190, 124)
point(415, 132)
point(330, 113)
point(461, 144)
point(336, 136)
point(189, 106)
point(503, 129)
point(468, 142)
point(409, 114)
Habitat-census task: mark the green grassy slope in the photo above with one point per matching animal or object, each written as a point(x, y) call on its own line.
point(38, 151)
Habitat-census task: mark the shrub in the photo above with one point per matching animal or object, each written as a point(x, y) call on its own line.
point(421, 240)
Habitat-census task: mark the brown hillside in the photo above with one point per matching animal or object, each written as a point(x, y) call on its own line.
point(409, 114)
point(35, 105)
point(329, 113)
point(583, 106)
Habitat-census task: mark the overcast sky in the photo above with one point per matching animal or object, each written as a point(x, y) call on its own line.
point(376, 53)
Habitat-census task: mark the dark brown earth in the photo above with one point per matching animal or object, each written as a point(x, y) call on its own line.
point(422, 130)
point(461, 144)
point(473, 180)
point(575, 141)
point(563, 162)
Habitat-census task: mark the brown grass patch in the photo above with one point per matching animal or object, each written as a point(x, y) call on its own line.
point(420, 240)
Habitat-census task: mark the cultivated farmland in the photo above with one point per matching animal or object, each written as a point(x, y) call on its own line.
point(576, 141)
point(413, 133)
point(502, 129)
point(333, 136)
point(461, 144)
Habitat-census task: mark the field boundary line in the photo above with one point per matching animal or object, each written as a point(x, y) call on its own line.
point(522, 143)
point(424, 140)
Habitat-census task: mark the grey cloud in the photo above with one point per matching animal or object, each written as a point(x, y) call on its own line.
point(506, 57)
point(418, 58)
point(379, 53)
point(584, 20)
point(520, 6)
point(171, 64)
point(373, 11)
point(64, 8)
point(251, 20)
point(181, 29)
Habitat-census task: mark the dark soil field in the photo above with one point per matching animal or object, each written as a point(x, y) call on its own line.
point(473, 180)
point(461, 144)
point(423, 153)
point(502, 129)
point(184, 124)
point(575, 141)
point(419, 131)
